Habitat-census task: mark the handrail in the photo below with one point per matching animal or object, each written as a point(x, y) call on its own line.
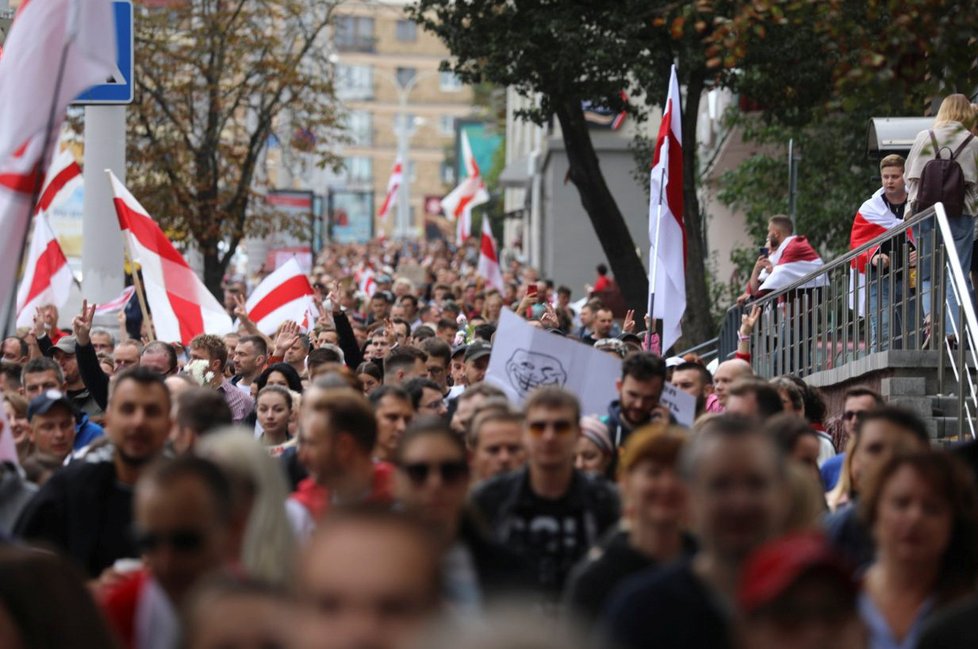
point(811, 326)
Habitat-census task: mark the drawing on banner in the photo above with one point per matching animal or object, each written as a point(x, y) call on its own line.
point(528, 370)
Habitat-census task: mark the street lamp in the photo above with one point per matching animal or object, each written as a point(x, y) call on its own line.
point(404, 131)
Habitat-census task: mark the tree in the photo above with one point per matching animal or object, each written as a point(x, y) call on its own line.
point(216, 80)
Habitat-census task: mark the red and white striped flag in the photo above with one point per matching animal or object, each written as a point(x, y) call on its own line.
point(793, 259)
point(181, 305)
point(284, 295)
point(471, 192)
point(28, 69)
point(64, 176)
point(116, 304)
point(365, 281)
point(489, 258)
point(393, 186)
point(873, 219)
point(47, 276)
point(667, 230)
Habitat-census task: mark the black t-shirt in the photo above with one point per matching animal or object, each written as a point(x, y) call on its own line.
point(894, 247)
point(667, 608)
point(606, 567)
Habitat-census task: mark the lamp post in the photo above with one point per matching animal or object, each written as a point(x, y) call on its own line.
point(404, 132)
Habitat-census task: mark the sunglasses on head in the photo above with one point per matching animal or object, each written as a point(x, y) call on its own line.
point(450, 472)
point(178, 540)
point(560, 426)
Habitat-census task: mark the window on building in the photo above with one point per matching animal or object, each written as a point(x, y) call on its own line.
point(410, 119)
point(446, 124)
point(405, 76)
point(354, 82)
point(360, 127)
point(354, 34)
point(412, 170)
point(449, 82)
point(406, 31)
point(447, 173)
point(359, 170)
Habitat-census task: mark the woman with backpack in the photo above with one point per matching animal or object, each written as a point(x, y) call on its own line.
point(943, 167)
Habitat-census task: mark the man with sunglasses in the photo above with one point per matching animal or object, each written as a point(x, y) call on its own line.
point(548, 512)
point(183, 531)
point(858, 400)
point(85, 509)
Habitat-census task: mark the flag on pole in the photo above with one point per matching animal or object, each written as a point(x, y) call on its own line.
point(489, 258)
point(393, 186)
point(181, 305)
point(47, 276)
point(82, 31)
point(365, 281)
point(32, 57)
point(116, 304)
point(63, 177)
point(667, 230)
point(284, 295)
point(471, 192)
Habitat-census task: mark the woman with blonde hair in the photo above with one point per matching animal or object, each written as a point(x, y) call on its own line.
point(950, 135)
point(260, 492)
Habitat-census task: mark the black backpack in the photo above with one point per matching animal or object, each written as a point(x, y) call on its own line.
point(942, 181)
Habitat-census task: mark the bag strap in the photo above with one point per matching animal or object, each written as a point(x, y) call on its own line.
point(937, 148)
point(963, 144)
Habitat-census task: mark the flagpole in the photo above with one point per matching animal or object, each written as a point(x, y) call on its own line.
point(72, 32)
point(654, 263)
point(140, 295)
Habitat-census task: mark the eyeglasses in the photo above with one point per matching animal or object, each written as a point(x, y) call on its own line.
point(451, 472)
point(850, 414)
point(184, 541)
point(560, 426)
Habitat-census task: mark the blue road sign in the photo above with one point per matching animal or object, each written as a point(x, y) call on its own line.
point(119, 88)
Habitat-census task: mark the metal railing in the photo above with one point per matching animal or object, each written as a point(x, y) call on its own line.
point(921, 301)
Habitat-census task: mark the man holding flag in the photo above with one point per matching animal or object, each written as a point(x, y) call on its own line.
point(667, 230)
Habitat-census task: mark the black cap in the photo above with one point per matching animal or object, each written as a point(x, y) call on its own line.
point(477, 349)
point(42, 403)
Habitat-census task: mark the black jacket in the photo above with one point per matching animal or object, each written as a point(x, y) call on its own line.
point(83, 512)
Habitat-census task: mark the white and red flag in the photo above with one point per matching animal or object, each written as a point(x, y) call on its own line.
point(180, 304)
point(365, 281)
point(63, 178)
point(873, 219)
point(667, 230)
point(489, 258)
point(116, 304)
point(393, 186)
point(793, 259)
point(47, 277)
point(284, 295)
point(29, 93)
point(471, 192)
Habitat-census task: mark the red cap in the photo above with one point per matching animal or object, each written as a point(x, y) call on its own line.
point(774, 567)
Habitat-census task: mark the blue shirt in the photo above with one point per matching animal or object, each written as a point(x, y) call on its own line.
point(831, 469)
point(86, 431)
point(880, 635)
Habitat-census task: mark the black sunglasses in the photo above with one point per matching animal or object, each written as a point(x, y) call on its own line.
point(849, 414)
point(186, 541)
point(450, 472)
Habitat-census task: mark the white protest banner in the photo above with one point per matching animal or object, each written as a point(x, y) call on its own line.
point(525, 358)
point(681, 404)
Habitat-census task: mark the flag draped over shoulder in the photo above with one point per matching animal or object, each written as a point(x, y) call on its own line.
point(284, 295)
point(181, 305)
point(471, 192)
point(793, 259)
point(873, 219)
point(667, 230)
point(489, 258)
point(29, 95)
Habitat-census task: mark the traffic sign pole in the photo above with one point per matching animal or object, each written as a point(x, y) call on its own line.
point(105, 148)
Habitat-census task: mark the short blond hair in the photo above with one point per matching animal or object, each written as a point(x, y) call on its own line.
point(893, 160)
point(955, 108)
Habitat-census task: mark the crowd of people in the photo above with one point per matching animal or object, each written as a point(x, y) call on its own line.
point(356, 482)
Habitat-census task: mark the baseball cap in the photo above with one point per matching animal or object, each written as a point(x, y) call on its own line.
point(42, 403)
point(778, 565)
point(675, 361)
point(67, 344)
point(477, 349)
point(458, 349)
point(611, 344)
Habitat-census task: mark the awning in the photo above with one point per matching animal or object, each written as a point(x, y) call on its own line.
point(516, 174)
point(895, 134)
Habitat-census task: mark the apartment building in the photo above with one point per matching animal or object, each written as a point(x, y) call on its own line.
point(387, 71)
